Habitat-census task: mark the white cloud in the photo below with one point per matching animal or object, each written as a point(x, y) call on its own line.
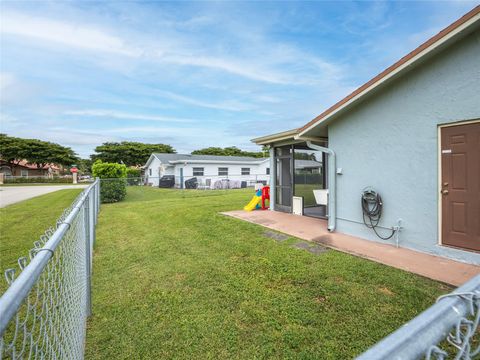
point(228, 105)
point(264, 61)
point(268, 99)
point(7, 120)
point(112, 114)
point(250, 70)
point(15, 91)
point(68, 34)
point(6, 81)
point(169, 131)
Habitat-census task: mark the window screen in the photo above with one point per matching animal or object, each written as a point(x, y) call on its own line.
point(198, 171)
point(223, 171)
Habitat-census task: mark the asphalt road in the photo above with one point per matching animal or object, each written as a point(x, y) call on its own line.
point(13, 194)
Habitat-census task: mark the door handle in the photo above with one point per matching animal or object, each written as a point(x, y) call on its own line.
point(444, 192)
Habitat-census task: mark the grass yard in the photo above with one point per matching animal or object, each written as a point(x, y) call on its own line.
point(174, 279)
point(42, 184)
point(21, 224)
point(306, 190)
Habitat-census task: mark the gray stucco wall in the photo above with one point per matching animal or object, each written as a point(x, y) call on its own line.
point(390, 142)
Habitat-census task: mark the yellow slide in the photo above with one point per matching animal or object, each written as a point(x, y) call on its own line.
point(253, 203)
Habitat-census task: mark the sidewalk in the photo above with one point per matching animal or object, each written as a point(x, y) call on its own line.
point(13, 194)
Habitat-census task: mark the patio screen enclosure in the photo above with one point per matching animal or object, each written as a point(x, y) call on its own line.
point(299, 171)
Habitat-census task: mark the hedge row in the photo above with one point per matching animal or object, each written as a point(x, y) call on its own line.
point(37, 180)
point(114, 186)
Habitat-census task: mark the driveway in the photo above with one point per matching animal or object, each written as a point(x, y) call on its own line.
point(13, 194)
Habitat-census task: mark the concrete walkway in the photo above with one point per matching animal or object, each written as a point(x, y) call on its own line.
point(311, 229)
point(13, 194)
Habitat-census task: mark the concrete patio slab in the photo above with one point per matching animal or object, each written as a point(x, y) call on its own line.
point(311, 229)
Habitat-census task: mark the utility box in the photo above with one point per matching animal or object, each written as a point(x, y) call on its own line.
point(297, 205)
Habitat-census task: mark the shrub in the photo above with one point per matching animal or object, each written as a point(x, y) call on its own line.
point(134, 176)
point(113, 187)
point(133, 172)
point(38, 180)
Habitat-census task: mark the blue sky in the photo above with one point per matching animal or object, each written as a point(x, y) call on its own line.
point(194, 74)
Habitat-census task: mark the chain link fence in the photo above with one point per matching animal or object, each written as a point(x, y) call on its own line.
point(447, 330)
point(44, 309)
point(200, 182)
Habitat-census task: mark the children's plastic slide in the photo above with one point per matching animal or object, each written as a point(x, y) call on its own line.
point(256, 201)
point(259, 199)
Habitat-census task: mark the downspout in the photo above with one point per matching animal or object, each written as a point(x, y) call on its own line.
point(273, 178)
point(332, 217)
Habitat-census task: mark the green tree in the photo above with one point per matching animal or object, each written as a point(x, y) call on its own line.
point(266, 151)
point(305, 156)
point(42, 153)
point(129, 153)
point(12, 149)
point(228, 151)
point(85, 166)
point(37, 152)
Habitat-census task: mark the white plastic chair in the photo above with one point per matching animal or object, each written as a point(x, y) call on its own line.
point(205, 184)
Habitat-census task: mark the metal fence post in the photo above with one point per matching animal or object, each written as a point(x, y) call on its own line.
point(98, 194)
point(91, 220)
point(94, 202)
point(86, 219)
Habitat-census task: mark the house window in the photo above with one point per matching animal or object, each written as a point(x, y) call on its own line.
point(223, 171)
point(245, 171)
point(268, 171)
point(24, 173)
point(198, 171)
point(150, 171)
point(6, 170)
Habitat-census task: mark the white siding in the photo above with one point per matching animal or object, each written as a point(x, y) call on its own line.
point(258, 171)
point(234, 170)
point(154, 169)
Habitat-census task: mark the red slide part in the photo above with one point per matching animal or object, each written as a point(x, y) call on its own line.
point(265, 196)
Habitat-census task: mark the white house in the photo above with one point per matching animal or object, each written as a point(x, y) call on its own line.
point(210, 170)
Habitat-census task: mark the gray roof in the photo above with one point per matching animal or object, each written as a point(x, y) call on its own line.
point(163, 157)
point(302, 164)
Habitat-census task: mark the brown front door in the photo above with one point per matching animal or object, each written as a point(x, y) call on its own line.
point(460, 187)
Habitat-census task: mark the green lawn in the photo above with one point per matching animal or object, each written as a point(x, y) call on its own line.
point(174, 279)
point(21, 224)
point(306, 190)
point(43, 184)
